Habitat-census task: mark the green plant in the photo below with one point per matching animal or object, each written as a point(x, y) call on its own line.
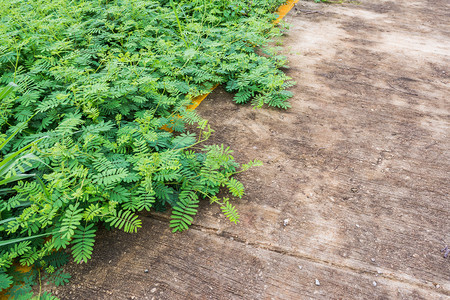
point(13, 168)
point(98, 80)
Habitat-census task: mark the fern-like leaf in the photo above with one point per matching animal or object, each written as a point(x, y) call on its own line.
point(126, 220)
point(236, 188)
point(110, 176)
point(83, 243)
point(71, 221)
point(5, 281)
point(230, 211)
point(92, 211)
point(29, 258)
point(182, 214)
point(45, 296)
point(57, 259)
point(59, 278)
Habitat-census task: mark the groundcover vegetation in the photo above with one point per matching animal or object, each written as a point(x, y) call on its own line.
point(82, 135)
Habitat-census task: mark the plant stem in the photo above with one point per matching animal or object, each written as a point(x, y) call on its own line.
point(179, 24)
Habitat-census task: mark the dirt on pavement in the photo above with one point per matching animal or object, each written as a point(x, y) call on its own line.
point(353, 199)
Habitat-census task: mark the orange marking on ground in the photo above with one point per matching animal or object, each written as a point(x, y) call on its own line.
point(284, 9)
point(197, 100)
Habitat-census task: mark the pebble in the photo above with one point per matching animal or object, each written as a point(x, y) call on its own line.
point(357, 225)
point(300, 267)
point(317, 282)
point(372, 259)
point(374, 283)
point(286, 222)
point(146, 271)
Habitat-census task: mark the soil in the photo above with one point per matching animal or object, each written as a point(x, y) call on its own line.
point(353, 199)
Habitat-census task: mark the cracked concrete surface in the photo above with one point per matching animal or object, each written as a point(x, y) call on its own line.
point(360, 166)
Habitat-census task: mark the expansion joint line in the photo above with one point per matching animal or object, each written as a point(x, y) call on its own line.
point(322, 262)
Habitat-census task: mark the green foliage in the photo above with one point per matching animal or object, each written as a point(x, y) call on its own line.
point(184, 210)
point(45, 296)
point(56, 259)
point(5, 281)
point(83, 243)
point(229, 211)
point(97, 80)
point(21, 286)
point(59, 278)
point(126, 220)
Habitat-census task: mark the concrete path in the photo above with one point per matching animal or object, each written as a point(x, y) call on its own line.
point(353, 199)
